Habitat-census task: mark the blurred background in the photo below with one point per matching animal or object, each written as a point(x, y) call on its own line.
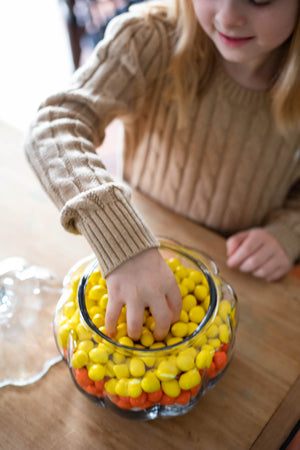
point(42, 42)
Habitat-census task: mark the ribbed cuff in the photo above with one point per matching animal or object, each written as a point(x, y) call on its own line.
point(115, 233)
point(289, 239)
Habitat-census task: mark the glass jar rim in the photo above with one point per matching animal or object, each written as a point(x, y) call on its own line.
point(212, 308)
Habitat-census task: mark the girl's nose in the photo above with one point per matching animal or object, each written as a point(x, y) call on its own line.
point(230, 14)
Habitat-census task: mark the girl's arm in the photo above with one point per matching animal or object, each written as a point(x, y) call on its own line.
point(61, 148)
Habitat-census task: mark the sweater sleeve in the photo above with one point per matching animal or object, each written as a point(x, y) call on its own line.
point(69, 126)
point(284, 224)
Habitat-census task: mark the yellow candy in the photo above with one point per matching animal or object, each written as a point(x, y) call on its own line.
point(121, 331)
point(96, 372)
point(183, 290)
point(232, 317)
point(95, 310)
point(95, 278)
point(98, 355)
point(224, 333)
point(118, 358)
point(196, 314)
point(203, 359)
point(173, 340)
point(224, 310)
point(214, 342)
point(63, 334)
point(137, 367)
point(157, 345)
point(150, 382)
point(212, 331)
point(110, 386)
point(196, 276)
point(166, 370)
point(96, 292)
point(200, 340)
point(90, 303)
point(171, 388)
point(173, 263)
point(181, 272)
point(107, 347)
point(149, 360)
point(201, 291)
point(103, 301)
point(206, 303)
point(75, 319)
point(69, 308)
point(179, 329)
point(121, 387)
point(98, 320)
point(121, 370)
point(188, 302)
point(125, 340)
point(150, 323)
point(218, 321)
point(184, 361)
point(147, 338)
point(79, 359)
point(189, 379)
point(184, 317)
point(122, 316)
point(189, 283)
point(192, 326)
point(109, 369)
point(83, 333)
point(134, 388)
point(85, 345)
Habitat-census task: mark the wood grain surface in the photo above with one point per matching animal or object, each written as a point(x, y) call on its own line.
point(256, 403)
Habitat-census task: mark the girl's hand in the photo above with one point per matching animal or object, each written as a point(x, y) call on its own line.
point(144, 280)
point(258, 252)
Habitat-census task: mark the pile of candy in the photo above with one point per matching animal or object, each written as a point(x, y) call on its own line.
point(136, 377)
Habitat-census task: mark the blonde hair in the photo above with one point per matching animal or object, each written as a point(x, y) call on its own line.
point(194, 57)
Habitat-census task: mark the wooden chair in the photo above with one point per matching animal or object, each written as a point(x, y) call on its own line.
point(86, 21)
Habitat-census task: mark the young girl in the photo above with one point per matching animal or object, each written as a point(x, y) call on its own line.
point(208, 92)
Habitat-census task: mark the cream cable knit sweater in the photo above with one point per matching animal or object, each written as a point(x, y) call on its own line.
point(229, 169)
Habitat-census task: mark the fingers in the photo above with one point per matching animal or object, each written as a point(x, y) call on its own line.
point(234, 242)
point(135, 315)
point(162, 316)
point(174, 301)
point(113, 311)
point(258, 259)
point(134, 285)
point(247, 247)
point(260, 254)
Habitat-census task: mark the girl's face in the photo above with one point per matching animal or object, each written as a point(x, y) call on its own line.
point(247, 30)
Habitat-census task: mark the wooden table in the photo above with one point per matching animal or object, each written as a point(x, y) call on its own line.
point(255, 405)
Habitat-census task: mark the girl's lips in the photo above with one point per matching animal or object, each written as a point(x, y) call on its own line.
point(234, 41)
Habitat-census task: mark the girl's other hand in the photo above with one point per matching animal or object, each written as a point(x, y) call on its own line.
point(143, 281)
point(258, 252)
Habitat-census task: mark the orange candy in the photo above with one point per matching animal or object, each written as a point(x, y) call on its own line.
point(156, 396)
point(194, 391)
point(211, 371)
point(82, 378)
point(124, 403)
point(91, 389)
point(220, 360)
point(166, 400)
point(138, 402)
point(183, 398)
point(224, 347)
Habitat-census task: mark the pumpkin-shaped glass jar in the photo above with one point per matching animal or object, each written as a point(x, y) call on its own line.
point(148, 379)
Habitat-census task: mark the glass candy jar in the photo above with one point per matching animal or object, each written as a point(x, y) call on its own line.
point(148, 379)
